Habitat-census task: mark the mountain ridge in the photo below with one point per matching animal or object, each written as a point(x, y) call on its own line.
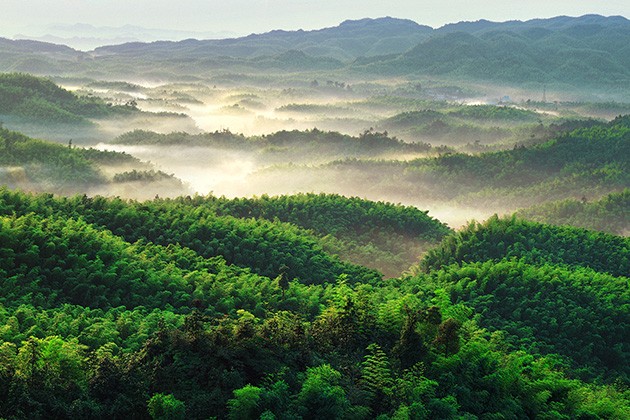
point(586, 52)
point(461, 26)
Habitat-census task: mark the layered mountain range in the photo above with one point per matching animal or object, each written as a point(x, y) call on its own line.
point(588, 51)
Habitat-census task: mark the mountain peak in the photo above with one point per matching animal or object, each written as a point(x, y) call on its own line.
point(381, 21)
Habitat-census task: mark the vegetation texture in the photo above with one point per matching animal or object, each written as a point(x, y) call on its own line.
point(104, 316)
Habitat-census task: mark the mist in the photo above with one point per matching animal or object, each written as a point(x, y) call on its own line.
point(205, 170)
point(234, 174)
point(434, 120)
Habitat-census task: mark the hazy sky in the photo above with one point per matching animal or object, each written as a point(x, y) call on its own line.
point(248, 16)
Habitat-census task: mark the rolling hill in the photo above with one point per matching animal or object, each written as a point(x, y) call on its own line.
point(98, 324)
point(41, 166)
point(609, 214)
point(587, 161)
point(39, 100)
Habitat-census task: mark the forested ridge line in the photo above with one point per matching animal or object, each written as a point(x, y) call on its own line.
point(610, 213)
point(536, 243)
point(97, 325)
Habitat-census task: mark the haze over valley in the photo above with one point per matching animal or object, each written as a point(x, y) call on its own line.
point(371, 219)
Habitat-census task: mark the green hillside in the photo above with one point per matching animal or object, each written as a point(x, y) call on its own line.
point(533, 243)
point(42, 101)
point(126, 295)
point(609, 214)
point(379, 235)
point(41, 166)
point(292, 235)
point(589, 161)
point(268, 248)
point(578, 314)
point(560, 290)
point(97, 326)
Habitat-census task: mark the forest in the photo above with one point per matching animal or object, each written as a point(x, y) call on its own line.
point(609, 214)
point(185, 323)
point(585, 162)
point(44, 166)
point(25, 96)
point(373, 220)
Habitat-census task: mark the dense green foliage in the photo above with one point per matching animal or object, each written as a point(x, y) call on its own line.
point(41, 100)
point(92, 325)
point(379, 235)
point(609, 214)
point(577, 313)
point(45, 166)
point(552, 289)
point(334, 214)
point(383, 236)
point(535, 243)
point(264, 246)
point(294, 307)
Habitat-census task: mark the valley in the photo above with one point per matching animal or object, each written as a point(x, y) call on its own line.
point(378, 219)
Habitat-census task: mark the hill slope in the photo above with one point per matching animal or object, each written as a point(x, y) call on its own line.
point(40, 166)
point(553, 289)
point(42, 101)
point(610, 214)
point(380, 235)
point(267, 234)
point(587, 161)
point(580, 55)
point(95, 326)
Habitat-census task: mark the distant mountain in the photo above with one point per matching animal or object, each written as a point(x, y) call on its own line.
point(37, 57)
point(86, 37)
point(554, 24)
point(590, 51)
point(587, 52)
point(351, 39)
point(25, 45)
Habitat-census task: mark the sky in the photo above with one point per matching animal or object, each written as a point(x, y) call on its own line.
point(241, 17)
